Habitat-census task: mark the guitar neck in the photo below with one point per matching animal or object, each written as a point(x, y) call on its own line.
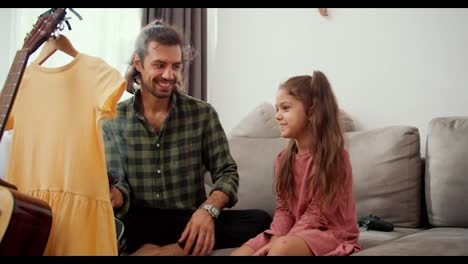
point(10, 88)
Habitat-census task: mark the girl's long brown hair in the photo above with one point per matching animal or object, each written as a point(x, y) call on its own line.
point(327, 147)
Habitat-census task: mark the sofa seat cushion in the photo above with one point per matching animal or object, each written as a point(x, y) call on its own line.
point(386, 165)
point(431, 242)
point(372, 238)
point(367, 238)
point(222, 252)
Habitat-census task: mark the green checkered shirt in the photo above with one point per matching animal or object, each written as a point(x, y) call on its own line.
point(166, 169)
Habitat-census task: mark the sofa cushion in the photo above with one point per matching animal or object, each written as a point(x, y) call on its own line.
point(254, 144)
point(347, 122)
point(446, 176)
point(386, 173)
point(222, 252)
point(372, 238)
point(255, 161)
point(259, 123)
point(430, 242)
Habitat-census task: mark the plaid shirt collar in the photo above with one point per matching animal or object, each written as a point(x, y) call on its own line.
point(137, 108)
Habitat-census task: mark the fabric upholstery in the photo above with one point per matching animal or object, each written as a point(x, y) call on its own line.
point(259, 123)
point(387, 174)
point(372, 238)
point(255, 161)
point(431, 242)
point(446, 174)
point(347, 122)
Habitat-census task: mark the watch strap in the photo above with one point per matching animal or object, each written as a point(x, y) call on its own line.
point(212, 210)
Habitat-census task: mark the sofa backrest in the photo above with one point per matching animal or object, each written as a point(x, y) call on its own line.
point(386, 165)
point(254, 144)
point(255, 159)
point(446, 175)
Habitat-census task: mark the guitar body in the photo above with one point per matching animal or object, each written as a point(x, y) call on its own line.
point(25, 224)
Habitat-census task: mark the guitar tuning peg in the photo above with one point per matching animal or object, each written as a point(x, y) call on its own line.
point(61, 26)
point(76, 13)
point(54, 34)
point(68, 24)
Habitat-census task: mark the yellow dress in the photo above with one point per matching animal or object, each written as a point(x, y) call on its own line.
point(57, 152)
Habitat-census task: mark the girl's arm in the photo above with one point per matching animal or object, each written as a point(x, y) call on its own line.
point(283, 220)
point(313, 218)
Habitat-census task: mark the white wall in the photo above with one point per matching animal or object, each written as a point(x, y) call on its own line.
point(7, 36)
point(387, 66)
point(6, 16)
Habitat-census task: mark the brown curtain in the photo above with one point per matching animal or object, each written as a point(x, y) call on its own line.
point(192, 23)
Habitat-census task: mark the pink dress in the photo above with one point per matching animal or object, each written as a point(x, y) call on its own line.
point(330, 232)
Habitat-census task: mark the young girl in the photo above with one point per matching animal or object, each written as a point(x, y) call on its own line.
point(315, 212)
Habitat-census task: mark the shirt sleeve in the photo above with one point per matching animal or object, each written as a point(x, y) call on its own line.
point(10, 122)
point(114, 162)
point(111, 86)
point(283, 220)
point(311, 219)
point(217, 158)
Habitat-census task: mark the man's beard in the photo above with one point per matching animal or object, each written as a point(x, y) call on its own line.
point(154, 90)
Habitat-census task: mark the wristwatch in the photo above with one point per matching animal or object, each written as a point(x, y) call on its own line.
point(214, 212)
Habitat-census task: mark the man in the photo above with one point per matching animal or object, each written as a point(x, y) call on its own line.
point(158, 148)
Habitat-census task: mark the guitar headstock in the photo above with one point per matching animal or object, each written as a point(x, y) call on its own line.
point(46, 24)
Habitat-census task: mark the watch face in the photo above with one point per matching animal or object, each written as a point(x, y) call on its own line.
point(211, 209)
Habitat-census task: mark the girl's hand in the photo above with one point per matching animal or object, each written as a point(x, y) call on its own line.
point(263, 251)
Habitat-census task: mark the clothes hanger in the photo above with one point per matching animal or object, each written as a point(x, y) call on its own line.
point(61, 43)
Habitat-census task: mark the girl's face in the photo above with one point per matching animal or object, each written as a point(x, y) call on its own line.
point(290, 115)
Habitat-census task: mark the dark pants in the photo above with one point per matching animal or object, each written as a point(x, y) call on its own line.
point(163, 227)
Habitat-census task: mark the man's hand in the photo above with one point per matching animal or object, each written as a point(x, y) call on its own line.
point(116, 198)
point(199, 234)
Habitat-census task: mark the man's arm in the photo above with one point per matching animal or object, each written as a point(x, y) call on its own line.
point(115, 166)
point(218, 199)
point(219, 162)
point(198, 237)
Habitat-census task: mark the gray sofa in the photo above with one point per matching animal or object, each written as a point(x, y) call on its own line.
point(424, 196)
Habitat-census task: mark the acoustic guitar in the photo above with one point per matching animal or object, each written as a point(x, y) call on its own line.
point(25, 221)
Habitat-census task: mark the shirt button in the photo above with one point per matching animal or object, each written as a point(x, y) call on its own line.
point(157, 145)
point(158, 171)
